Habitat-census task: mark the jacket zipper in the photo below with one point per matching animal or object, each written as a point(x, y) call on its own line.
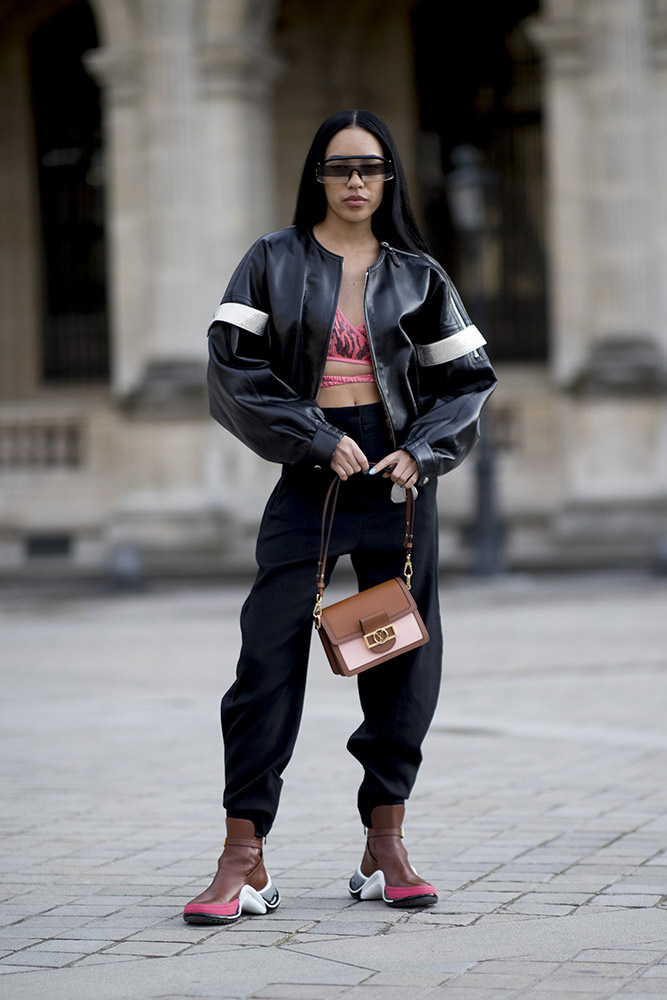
point(392, 253)
point(373, 359)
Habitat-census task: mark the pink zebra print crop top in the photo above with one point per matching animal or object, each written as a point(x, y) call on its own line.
point(349, 343)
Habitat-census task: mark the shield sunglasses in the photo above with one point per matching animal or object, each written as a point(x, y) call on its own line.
point(339, 169)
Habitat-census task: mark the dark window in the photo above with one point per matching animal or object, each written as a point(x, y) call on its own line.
point(66, 104)
point(48, 546)
point(482, 86)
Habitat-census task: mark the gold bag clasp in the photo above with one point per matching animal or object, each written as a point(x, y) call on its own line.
point(380, 636)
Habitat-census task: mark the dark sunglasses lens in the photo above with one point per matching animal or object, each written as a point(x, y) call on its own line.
point(374, 169)
point(340, 170)
point(336, 171)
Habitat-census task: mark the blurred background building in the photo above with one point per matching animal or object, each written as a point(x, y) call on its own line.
point(146, 143)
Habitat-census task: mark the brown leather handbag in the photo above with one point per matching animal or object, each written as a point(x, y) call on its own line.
point(374, 625)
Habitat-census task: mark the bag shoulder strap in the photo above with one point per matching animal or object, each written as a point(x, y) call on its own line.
point(328, 512)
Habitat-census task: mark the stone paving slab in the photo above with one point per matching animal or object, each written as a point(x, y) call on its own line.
point(541, 810)
point(203, 975)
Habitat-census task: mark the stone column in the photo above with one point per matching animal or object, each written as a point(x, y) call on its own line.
point(657, 165)
point(191, 168)
point(607, 353)
point(599, 97)
point(237, 71)
point(238, 194)
point(191, 159)
point(560, 38)
point(204, 189)
point(171, 163)
point(617, 190)
point(116, 69)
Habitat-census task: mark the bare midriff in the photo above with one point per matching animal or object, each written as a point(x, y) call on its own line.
point(349, 393)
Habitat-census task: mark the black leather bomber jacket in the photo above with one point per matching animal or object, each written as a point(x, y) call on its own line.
point(268, 344)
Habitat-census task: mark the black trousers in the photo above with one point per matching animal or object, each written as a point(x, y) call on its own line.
point(261, 712)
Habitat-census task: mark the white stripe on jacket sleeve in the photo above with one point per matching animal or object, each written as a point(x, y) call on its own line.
point(253, 320)
point(450, 348)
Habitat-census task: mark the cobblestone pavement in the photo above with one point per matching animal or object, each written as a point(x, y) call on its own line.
point(540, 813)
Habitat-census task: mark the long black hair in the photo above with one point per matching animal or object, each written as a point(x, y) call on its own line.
point(393, 222)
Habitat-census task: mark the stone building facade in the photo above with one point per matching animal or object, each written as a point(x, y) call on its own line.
point(205, 109)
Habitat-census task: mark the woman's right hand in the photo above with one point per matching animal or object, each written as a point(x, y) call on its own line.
point(348, 458)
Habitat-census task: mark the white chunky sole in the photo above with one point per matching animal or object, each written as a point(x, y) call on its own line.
point(375, 887)
point(249, 901)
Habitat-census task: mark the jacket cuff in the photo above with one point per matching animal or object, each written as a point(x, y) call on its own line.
point(423, 455)
point(324, 444)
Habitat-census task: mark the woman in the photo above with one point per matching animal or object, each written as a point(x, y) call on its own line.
point(339, 345)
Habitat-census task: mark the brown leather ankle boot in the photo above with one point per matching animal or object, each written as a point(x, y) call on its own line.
point(241, 883)
point(385, 871)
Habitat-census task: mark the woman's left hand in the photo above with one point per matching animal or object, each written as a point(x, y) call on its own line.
point(399, 466)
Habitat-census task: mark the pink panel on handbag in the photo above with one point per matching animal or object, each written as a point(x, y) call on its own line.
point(356, 653)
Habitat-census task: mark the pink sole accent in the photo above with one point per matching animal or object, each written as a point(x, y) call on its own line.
point(214, 909)
point(405, 892)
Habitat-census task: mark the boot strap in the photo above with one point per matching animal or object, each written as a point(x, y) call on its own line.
point(235, 842)
point(395, 831)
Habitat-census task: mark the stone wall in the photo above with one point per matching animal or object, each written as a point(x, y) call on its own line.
point(209, 106)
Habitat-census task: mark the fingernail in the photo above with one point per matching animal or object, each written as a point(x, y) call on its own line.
point(371, 472)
